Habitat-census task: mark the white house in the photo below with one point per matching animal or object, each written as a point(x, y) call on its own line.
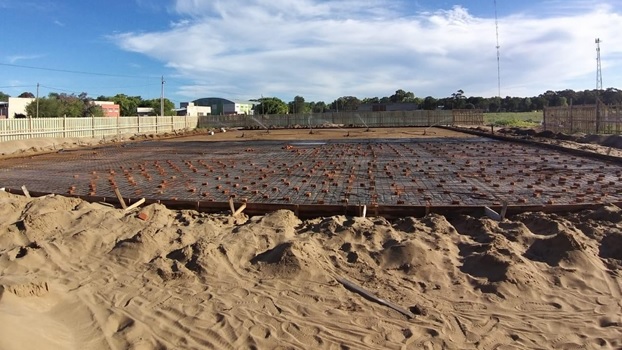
point(189, 109)
point(17, 105)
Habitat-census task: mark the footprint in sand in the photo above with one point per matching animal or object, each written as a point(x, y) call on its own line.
point(539, 306)
point(304, 334)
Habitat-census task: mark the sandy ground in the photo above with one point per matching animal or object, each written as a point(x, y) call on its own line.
point(20, 148)
point(78, 275)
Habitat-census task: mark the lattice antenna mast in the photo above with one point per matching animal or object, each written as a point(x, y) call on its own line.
point(498, 56)
point(599, 72)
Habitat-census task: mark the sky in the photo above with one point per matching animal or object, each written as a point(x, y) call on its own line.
point(317, 49)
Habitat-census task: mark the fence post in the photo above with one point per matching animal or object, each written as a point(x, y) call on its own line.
point(138, 119)
point(118, 127)
point(597, 115)
point(172, 123)
point(64, 125)
point(29, 127)
point(571, 119)
point(93, 125)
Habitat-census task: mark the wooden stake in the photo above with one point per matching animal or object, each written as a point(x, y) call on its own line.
point(504, 210)
point(240, 209)
point(364, 211)
point(135, 205)
point(231, 206)
point(368, 295)
point(120, 198)
point(25, 190)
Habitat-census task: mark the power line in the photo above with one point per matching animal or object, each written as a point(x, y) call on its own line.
point(76, 72)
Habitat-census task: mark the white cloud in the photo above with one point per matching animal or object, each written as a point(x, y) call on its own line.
point(323, 49)
point(16, 58)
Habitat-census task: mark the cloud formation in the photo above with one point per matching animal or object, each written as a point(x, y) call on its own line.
point(323, 49)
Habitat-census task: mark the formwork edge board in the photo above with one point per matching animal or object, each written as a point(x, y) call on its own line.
point(320, 210)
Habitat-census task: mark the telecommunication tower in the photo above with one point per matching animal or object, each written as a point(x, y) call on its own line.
point(599, 73)
point(498, 55)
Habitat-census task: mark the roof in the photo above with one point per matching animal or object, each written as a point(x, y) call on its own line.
point(208, 101)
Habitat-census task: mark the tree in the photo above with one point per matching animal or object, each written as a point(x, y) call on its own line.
point(48, 108)
point(169, 107)
point(270, 105)
point(346, 103)
point(611, 96)
point(4, 97)
point(298, 105)
point(127, 104)
point(68, 105)
point(430, 103)
point(318, 107)
point(402, 96)
point(459, 100)
point(26, 95)
point(370, 100)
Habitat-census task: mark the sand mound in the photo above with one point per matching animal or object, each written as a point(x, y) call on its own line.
point(542, 224)
point(611, 246)
point(609, 213)
point(551, 250)
point(91, 276)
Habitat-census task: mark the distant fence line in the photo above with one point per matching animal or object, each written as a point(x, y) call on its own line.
point(589, 119)
point(18, 129)
point(419, 118)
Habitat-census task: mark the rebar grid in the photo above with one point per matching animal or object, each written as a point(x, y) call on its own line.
point(430, 172)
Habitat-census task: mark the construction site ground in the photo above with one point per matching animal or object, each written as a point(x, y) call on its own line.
point(409, 167)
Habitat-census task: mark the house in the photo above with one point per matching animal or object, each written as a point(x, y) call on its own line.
point(388, 107)
point(144, 111)
point(4, 110)
point(222, 106)
point(189, 109)
point(109, 108)
point(17, 106)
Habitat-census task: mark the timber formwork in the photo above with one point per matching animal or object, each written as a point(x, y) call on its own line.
point(325, 177)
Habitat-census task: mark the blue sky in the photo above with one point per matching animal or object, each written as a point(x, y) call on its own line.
point(318, 49)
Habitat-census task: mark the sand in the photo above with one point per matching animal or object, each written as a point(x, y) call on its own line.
point(78, 275)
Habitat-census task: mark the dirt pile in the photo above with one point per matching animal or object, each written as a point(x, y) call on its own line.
point(90, 276)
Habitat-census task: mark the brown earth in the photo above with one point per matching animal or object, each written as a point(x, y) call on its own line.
point(88, 276)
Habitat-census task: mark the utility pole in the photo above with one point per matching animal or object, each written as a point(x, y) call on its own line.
point(498, 57)
point(37, 100)
point(162, 99)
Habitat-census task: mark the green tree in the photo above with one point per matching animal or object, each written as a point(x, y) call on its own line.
point(26, 95)
point(69, 105)
point(169, 107)
point(459, 100)
point(48, 108)
point(4, 97)
point(298, 105)
point(270, 105)
point(346, 104)
point(318, 107)
point(430, 103)
point(611, 96)
point(127, 104)
point(402, 96)
point(370, 100)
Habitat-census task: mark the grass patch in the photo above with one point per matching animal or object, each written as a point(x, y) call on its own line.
point(520, 120)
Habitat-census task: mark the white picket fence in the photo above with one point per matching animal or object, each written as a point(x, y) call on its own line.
point(19, 129)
